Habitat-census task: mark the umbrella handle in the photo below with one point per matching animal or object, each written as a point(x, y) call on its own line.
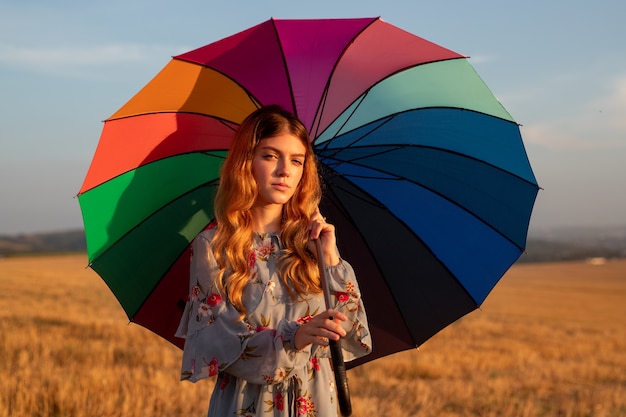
point(341, 380)
point(339, 367)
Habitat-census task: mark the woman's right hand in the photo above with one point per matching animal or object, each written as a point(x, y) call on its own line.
point(321, 328)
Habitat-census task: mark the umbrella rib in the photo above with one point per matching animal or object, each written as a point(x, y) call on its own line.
point(395, 147)
point(322, 103)
point(358, 139)
point(208, 152)
point(253, 99)
point(286, 68)
point(370, 201)
point(129, 231)
point(386, 119)
point(356, 107)
point(223, 121)
point(345, 213)
point(379, 204)
point(320, 112)
point(392, 177)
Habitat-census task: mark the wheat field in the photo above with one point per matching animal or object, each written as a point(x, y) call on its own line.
point(549, 341)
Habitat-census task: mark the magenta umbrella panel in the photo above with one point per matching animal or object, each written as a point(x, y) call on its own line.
point(426, 176)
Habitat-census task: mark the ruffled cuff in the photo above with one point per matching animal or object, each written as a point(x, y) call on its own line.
point(288, 332)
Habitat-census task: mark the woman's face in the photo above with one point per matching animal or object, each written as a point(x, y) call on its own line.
point(277, 167)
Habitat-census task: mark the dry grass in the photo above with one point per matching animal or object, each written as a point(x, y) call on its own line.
point(550, 341)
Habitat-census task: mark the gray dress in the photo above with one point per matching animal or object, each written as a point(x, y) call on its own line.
point(259, 371)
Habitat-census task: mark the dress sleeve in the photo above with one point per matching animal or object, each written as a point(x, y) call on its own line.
point(345, 296)
point(217, 340)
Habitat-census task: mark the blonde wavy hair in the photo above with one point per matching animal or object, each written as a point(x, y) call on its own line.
point(235, 197)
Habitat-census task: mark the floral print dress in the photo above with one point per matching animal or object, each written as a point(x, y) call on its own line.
point(259, 371)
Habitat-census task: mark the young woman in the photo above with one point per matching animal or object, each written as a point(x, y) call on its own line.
point(256, 316)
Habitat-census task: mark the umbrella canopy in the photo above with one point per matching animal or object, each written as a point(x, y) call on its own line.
point(425, 172)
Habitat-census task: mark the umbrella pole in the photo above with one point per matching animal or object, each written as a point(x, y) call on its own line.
point(339, 367)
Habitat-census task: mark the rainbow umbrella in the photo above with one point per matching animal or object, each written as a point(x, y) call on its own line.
point(426, 176)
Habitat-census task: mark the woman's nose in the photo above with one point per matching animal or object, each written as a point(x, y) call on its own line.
point(283, 169)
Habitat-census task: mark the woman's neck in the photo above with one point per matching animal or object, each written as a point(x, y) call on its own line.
point(267, 219)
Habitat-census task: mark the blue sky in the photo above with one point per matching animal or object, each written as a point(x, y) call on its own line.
point(558, 66)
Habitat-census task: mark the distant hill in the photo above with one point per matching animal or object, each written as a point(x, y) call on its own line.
point(32, 243)
point(575, 243)
point(546, 245)
point(538, 250)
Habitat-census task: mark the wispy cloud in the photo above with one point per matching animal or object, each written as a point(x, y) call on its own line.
point(67, 55)
point(73, 60)
point(598, 124)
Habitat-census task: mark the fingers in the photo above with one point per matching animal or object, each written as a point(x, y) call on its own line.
point(323, 327)
point(320, 229)
point(335, 315)
point(318, 225)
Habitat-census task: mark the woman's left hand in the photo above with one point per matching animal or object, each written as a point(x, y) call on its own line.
point(320, 229)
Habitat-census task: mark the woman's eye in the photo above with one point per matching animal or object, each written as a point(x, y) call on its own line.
point(297, 162)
